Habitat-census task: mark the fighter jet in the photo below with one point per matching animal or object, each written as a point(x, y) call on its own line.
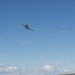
point(27, 27)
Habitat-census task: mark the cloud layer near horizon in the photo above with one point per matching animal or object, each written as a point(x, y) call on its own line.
point(44, 70)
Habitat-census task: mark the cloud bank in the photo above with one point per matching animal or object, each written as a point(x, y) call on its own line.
point(44, 70)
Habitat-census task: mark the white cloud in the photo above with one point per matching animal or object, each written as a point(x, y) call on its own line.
point(43, 70)
point(7, 68)
point(48, 68)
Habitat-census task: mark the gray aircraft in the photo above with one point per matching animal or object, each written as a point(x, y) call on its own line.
point(27, 27)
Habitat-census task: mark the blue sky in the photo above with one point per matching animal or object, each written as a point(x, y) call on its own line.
point(51, 42)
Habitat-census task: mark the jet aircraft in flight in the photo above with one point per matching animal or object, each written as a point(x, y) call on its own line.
point(27, 27)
